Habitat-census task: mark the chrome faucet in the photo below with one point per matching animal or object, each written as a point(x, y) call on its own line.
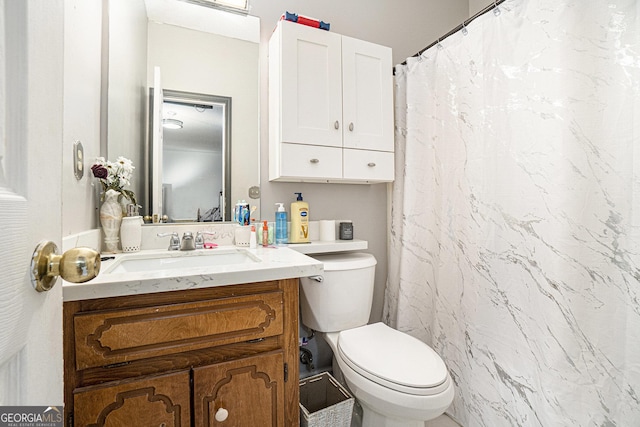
point(187, 243)
point(174, 243)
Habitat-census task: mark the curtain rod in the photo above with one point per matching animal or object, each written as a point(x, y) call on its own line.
point(458, 28)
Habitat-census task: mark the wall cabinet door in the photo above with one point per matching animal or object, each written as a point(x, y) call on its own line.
point(244, 392)
point(367, 98)
point(152, 401)
point(311, 86)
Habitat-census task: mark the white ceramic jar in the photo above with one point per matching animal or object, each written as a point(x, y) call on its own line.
point(131, 233)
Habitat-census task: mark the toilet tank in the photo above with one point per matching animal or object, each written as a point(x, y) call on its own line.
point(342, 300)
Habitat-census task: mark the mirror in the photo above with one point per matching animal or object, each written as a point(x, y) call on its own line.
point(200, 51)
point(196, 165)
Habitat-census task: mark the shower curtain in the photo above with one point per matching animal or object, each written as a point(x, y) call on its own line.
point(515, 229)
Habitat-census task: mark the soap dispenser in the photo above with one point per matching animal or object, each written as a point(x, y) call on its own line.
point(131, 230)
point(299, 221)
point(281, 225)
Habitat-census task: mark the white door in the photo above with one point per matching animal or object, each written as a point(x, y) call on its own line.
point(367, 95)
point(311, 87)
point(157, 143)
point(31, 79)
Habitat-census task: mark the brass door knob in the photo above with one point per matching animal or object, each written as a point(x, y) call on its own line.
point(76, 265)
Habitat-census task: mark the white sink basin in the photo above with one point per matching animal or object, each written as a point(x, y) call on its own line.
point(137, 263)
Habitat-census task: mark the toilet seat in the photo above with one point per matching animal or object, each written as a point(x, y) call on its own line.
point(393, 359)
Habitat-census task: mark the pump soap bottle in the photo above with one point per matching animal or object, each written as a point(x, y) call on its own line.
point(299, 221)
point(281, 225)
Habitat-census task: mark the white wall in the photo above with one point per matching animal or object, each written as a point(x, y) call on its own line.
point(195, 180)
point(83, 79)
point(126, 104)
point(406, 27)
point(81, 113)
point(476, 6)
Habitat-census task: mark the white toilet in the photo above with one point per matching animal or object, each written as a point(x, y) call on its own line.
point(398, 379)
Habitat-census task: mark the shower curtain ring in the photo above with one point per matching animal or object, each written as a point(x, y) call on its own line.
point(496, 9)
point(464, 30)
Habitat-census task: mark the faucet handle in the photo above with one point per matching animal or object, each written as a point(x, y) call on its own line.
point(174, 243)
point(199, 240)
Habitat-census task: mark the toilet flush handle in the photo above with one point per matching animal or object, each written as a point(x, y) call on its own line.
point(317, 278)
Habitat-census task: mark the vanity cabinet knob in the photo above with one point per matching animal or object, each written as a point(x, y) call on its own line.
point(351, 126)
point(371, 164)
point(314, 161)
point(221, 415)
point(336, 125)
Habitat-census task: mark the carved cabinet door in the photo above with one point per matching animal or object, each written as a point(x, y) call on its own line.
point(246, 392)
point(162, 401)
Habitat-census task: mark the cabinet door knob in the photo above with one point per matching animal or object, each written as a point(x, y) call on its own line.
point(221, 414)
point(351, 126)
point(336, 125)
point(371, 164)
point(314, 161)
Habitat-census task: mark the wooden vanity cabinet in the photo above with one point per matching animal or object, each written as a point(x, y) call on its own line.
point(179, 358)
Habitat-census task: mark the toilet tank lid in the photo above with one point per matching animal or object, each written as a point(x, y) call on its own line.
point(346, 261)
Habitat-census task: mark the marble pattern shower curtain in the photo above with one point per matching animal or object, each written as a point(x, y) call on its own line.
point(515, 236)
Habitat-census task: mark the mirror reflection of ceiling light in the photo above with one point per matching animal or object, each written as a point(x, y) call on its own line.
point(171, 124)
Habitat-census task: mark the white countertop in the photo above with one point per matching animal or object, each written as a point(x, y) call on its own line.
point(275, 263)
point(323, 247)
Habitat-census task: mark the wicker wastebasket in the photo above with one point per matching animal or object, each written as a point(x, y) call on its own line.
point(324, 402)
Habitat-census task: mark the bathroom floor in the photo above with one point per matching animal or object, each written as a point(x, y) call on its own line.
point(441, 421)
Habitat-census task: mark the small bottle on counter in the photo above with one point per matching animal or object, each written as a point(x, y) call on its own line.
point(281, 225)
point(299, 221)
point(265, 234)
point(252, 238)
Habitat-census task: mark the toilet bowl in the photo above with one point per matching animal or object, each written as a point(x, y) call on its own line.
point(397, 379)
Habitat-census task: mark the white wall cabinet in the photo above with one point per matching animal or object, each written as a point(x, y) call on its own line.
point(330, 107)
